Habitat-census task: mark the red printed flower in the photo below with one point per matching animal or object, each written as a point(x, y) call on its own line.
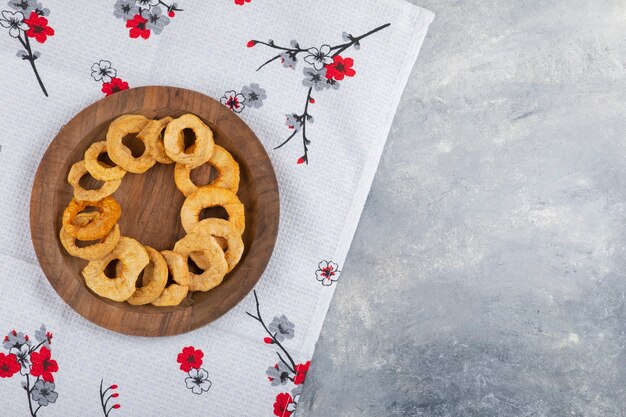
point(281, 405)
point(137, 27)
point(38, 27)
point(116, 84)
point(190, 358)
point(8, 365)
point(242, 2)
point(340, 67)
point(43, 364)
point(301, 371)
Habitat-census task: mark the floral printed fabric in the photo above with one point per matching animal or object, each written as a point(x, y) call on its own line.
point(238, 365)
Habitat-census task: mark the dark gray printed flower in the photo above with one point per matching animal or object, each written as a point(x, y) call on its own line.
point(15, 340)
point(254, 95)
point(102, 71)
point(23, 358)
point(332, 83)
point(125, 9)
point(293, 121)
point(156, 20)
point(315, 78)
point(42, 335)
point(147, 4)
point(319, 57)
point(198, 381)
point(278, 374)
point(28, 6)
point(288, 59)
point(282, 327)
point(14, 21)
point(294, 44)
point(43, 392)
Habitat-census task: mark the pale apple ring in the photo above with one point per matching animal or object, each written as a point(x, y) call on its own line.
point(225, 165)
point(152, 137)
point(174, 142)
point(91, 252)
point(77, 171)
point(153, 281)
point(214, 274)
point(210, 196)
point(222, 229)
point(100, 170)
point(133, 257)
point(175, 293)
point(120, 153)
point(100, 226)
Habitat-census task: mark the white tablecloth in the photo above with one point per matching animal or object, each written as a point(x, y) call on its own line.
point(336, 96)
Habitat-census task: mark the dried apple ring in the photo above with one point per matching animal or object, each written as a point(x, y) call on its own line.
point(225, 230)
point(100, 226)
point(174, 293)
point(152, 136)
point(202, 148)
point(120, 153)
point(214, 274)
point(133, 257)
point(210, 196)
point(100, 170)
point(77, 171)
point(153, 281)
point(225, 165)
point(91, 252)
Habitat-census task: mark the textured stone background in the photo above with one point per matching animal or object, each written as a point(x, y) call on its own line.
point(487, 277)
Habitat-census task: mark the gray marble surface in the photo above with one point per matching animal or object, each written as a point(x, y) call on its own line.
point(488, 276)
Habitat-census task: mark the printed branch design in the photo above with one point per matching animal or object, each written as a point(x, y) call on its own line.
point(28, 21)
point(327, 69)
point(105, 402)
point(286, 370)
point(34, 363)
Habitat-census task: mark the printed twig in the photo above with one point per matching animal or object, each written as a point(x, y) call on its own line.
point(30, 58)
point(357, 39)
point(303, 119)
point(28, 390)
point(104, 410)
point(293, 52)
point(273, 336)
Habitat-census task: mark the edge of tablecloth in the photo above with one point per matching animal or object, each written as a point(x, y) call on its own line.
point(422, 18)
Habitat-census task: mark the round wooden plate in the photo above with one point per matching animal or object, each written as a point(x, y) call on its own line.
point(151, 210)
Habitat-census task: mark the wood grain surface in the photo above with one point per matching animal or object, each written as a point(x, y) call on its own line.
point(151, 210)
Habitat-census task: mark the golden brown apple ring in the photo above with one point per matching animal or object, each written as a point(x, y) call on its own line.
point(153, 281)
point(210, 196)
point(91, 252)
point(175, 147)
point(225, 165)
point(152, 137)
point(100, 226)
point(225, 230)
point(174, 294)
point(214, 274)
point(119, 153)
point(133, 257)
point(100, 170)
point(77, 171)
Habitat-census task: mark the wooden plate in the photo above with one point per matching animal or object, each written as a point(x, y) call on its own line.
point(151, 210)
